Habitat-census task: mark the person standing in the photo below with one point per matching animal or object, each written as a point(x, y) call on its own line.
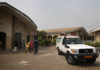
point(27, 47)
point(32, 45)
point(35, 45)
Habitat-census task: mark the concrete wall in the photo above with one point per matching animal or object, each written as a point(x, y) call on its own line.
point(23, 28)
point(97, 36)
point(6, 26)
point(10, 25)
point(20, 27)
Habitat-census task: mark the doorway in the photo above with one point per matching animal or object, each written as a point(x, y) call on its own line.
point(2, 40)
point(28, 38)
point(18, 40)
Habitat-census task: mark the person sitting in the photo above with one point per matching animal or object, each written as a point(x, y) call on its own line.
point(14, 50)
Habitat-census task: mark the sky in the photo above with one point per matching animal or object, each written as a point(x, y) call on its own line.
point(51, 14)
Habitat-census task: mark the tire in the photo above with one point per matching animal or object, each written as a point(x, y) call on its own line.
point(90, 61)
point(70, 60)
point(59, 52)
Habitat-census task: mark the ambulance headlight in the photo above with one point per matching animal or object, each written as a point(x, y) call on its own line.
point(74, 50)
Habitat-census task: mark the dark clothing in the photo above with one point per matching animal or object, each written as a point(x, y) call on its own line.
point(35, 42)
point(30, 49)
point(35, 50)
point(35, 46)
point(23, 45)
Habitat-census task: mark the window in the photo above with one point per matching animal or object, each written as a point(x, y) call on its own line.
point(58, 40)
point(74, 41)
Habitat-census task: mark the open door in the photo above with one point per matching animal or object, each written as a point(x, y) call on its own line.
point(18, 40)
point(2, 40)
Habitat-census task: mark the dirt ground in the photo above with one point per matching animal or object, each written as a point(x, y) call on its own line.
point(47, 59)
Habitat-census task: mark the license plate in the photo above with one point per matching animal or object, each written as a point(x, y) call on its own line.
point(87, 56)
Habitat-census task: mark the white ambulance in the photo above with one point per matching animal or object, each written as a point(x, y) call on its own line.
point(75, 50)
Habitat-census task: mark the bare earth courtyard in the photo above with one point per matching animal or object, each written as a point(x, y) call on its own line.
point(47, 59)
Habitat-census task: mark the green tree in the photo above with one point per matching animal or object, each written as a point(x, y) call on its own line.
point(42, 37)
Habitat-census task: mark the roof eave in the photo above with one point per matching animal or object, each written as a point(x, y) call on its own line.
point(18, 12)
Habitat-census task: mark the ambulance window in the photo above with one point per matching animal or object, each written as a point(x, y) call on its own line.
point(58, 40)
point(64, 40)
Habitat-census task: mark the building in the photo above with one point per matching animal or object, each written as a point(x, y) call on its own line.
point(77, 31)
point(15, 27)
point(96, 34)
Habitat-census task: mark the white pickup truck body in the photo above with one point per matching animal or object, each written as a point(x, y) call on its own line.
point(74, 49)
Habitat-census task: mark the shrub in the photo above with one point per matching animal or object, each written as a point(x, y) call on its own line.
point(42, 42)
point(48, 42)
point(54, 42)
point(97, 44)
point(89, 43)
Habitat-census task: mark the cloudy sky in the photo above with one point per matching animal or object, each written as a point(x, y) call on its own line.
point(48, 14)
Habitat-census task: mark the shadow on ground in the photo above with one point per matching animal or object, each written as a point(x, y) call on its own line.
point(23, 51)
point(85, 64)
point(44, 47)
